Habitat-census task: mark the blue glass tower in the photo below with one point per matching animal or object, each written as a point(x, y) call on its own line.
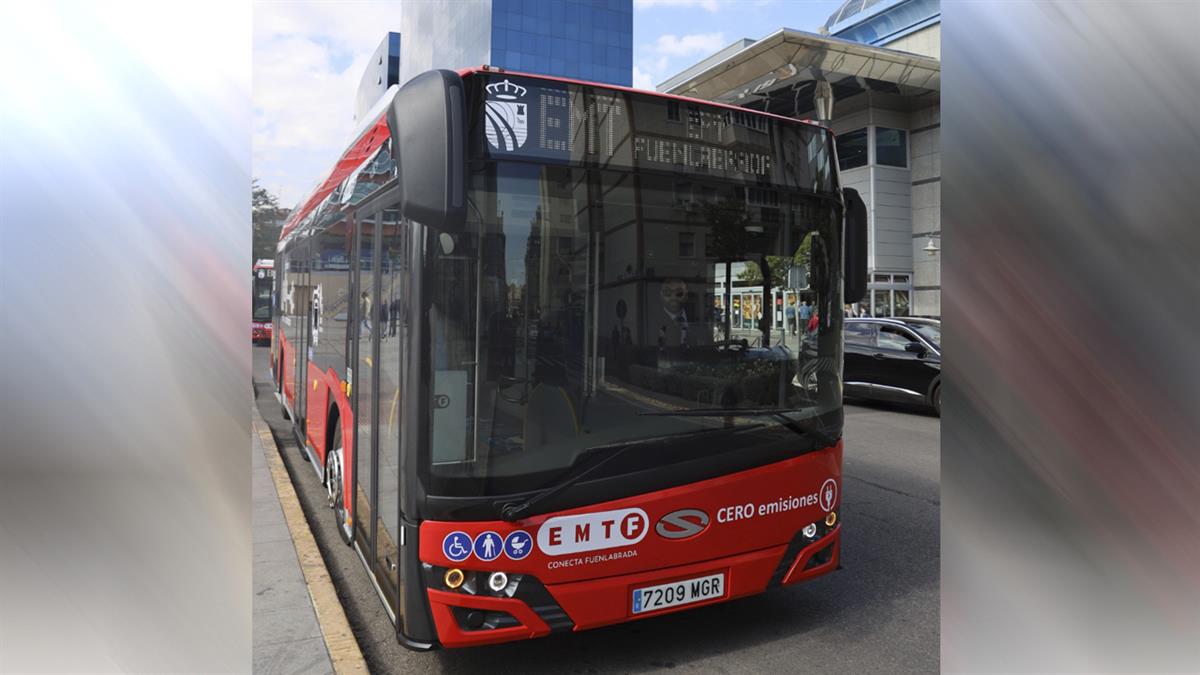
point(583, 39)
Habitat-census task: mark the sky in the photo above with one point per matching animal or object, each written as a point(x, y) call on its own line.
point(309, 56)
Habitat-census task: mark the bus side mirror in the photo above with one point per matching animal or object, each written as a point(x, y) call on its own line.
point(854, 240)
point(427, 120)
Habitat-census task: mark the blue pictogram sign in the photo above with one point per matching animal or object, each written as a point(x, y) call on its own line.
point(457, 546)
point(488, 546)
point(517, 544)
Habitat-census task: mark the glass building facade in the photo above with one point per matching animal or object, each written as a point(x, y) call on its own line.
point(583, 39)
point(879, 22)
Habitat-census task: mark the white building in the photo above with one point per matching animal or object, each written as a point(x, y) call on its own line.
point(879, 61)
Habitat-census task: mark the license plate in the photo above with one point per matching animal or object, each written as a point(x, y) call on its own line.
point(677, 593)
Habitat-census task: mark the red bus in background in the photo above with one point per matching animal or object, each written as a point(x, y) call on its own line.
point(497, 344)
point(263, 280)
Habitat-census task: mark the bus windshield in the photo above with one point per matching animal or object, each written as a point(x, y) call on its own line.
point(262, 298)
point(583, 304)
point(628, 258)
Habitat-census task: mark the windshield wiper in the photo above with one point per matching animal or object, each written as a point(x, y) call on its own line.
point(778, 413)
point(514, 510)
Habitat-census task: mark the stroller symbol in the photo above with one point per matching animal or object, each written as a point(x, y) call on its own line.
point(516, 545)
point(457, 546)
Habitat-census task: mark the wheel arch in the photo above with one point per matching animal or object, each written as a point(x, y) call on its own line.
point(339, 420)
point(933, 386)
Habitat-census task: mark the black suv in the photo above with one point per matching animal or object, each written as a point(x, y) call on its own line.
point(894, 359)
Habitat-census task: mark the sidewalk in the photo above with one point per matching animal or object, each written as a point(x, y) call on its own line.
point(296, 615)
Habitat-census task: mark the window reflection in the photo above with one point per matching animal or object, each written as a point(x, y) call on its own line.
point(852, 149)
point(581, 305)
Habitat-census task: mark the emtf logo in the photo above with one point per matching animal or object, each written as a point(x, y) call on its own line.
point(592, 531)
point(507, 123)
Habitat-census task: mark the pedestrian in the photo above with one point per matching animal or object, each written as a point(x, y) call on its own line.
point(662, 337)
point(395, 315)
point(789, 314)
point(383, 318)
point(806, 312)
point(364, 311)
point(813, 322)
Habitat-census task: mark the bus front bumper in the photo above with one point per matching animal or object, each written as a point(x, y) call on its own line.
point(464, 620)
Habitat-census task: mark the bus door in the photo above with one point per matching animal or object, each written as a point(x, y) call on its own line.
point(392, 368)
point(301, 293)
point(364, 384)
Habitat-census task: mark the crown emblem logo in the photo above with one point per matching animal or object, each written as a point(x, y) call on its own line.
point(507, 119)
point(506, 90)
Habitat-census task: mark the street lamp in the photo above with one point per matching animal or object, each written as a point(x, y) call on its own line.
point(931, 246)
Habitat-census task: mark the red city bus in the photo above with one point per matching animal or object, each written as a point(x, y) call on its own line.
point(263, 280)
point(498, 349)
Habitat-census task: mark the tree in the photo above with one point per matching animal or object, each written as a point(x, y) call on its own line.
point(780, 265)
point(266, 218)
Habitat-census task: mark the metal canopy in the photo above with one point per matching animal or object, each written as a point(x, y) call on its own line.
point(778, 73)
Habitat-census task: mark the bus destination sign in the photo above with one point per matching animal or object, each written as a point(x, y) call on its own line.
point(558, 122)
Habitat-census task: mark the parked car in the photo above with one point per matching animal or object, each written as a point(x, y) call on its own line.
point(894, 359)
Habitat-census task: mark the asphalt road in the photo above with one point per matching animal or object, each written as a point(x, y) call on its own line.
point(878, 614)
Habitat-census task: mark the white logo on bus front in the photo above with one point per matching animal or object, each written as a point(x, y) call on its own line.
point(592, 531)
point(507, 124)
point(828, 494)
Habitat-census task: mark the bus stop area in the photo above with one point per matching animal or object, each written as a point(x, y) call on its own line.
point(879, 613)
point(298, 623)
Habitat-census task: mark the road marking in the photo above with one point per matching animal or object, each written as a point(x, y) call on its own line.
point(343, 649)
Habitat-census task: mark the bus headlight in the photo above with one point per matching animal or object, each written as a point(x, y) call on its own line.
point(831, 519)
point(453, 578)
point(810, 530)
point(497, 581)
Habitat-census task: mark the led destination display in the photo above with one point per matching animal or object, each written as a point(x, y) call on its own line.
point(529, 119)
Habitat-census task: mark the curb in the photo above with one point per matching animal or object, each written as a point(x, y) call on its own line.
point(343, 649)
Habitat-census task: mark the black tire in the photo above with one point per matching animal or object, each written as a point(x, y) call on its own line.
point(334, 487)
point(936, 400)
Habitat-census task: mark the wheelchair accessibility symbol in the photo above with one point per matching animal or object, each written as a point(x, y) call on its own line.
point(457, 546)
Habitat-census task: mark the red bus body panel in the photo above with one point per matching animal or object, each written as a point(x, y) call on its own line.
point(327, 387)
point(355, 155)
point(594, 587)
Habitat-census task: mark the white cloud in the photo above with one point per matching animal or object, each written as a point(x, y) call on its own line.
point(308, 58)
point(687, 45)
point(670, 54)
point(707, 5)
point(642, 79)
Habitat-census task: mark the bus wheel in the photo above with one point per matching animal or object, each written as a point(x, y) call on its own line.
point(333, 487)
